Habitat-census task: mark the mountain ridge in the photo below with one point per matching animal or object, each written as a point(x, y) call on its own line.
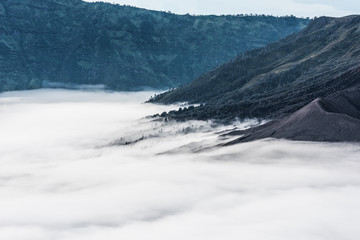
point(279, 79)
point(122, 47)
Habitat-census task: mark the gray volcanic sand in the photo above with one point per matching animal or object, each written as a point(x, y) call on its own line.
point(333, 119)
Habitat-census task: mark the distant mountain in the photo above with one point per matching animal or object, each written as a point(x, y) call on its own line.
point(279, 79)
point(125, 48)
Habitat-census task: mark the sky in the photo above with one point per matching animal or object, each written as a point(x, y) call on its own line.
point(300, 8)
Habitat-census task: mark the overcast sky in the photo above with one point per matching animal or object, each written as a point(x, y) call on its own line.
point(301, 8)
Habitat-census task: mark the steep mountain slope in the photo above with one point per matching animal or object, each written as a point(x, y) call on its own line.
point(122, 47)
point(332, 119)
point(280, 78)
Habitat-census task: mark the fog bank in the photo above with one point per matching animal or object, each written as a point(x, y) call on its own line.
point(67, 174)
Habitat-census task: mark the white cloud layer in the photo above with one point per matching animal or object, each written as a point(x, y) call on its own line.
point(301, 8)
point(57, 181)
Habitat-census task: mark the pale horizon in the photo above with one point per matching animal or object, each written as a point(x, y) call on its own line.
point(298, 8)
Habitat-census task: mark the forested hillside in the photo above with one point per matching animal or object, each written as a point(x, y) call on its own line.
point(122, 47)
point(279, 79)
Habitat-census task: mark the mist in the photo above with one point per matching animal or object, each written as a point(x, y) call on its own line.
point(79, 165)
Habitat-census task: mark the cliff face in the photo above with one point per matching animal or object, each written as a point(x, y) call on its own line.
point(123, 47)
point(279, 79)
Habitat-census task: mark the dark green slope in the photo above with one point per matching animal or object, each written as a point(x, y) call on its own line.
point(280, 78)
point(123, 47)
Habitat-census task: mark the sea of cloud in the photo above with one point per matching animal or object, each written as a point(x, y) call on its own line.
point(87, 165)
